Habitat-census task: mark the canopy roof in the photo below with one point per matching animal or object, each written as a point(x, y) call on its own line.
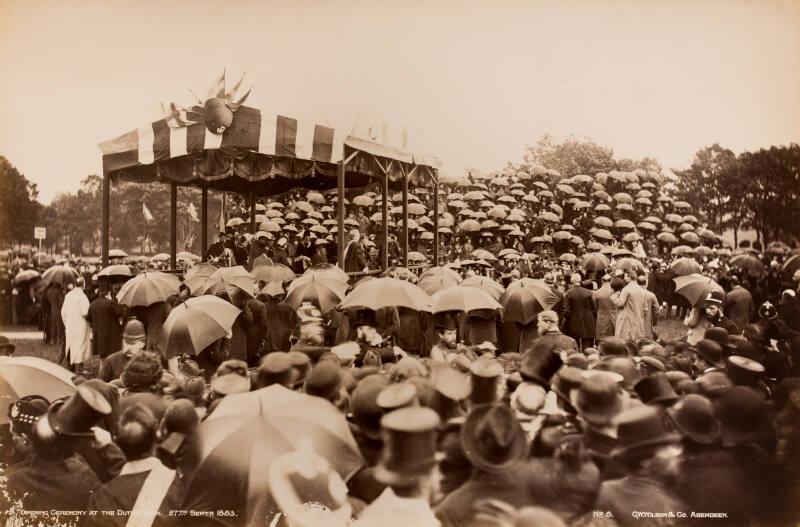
point(260, 152)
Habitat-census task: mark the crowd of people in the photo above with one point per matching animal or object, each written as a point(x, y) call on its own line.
point(552, 398)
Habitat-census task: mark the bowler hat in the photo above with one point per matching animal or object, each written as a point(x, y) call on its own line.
point(693, 416)
point(675, 376)
point(540, 366)
point(613, 346)
point(325, 380)
point(485, 375)
point(275, 368)
point(712, 352)
point(742, 414)
point(720, 336)
point(714, 384)
point(493, 439)
point(364, 405)
point(599, 400)
point(398, 395)
point(744, 371)
point(622, 366)
point(409, 445)
point(134, 332)
point(640, 429)
point(77, 415)
point(655, 389)
point(6, 348)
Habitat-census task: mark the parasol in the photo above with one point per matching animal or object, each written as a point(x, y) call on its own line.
point(273, 273)
point(749, 263)
point(487, 284)
point(116, 270)
point(59, 274)
point(323, 291)
point(194, 324)
point(685, 266)
point(326, 270)
point(594, 262)
point(227, 280)
point(695, 287)
point(387, 292)
point(463, 298)
point(21, 376)
point(148, 288)
point(525, 298)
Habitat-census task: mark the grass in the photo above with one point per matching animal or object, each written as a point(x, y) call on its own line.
point(29, 347)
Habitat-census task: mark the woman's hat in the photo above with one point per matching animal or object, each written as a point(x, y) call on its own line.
point(693, 416)
point(655, 389)
point(493, 439)
point(639, 430)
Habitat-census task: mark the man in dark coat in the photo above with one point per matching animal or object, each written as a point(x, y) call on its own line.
point(550, 337)
point(105, 315)
point(54, 297)
point(739, 304)
point(280, 320)
point(579, 313)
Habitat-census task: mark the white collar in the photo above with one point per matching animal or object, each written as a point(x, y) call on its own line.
point(140, 465)
point(389, 499)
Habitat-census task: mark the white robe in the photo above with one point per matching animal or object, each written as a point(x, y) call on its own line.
point(77, 330)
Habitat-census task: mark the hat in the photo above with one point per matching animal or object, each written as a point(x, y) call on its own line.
point(767, 311)
point(720, 336)
point(598, 400)
point(444, 321)
point(449, 388)
point(406, 368)
point(693, 416)
point(398, 395)
point(134, 332)
point(613, 346)
point(539, 366)
point(325, 380)
point(639, 430)
point(307, 489)
point(307, 313)
point(143, 370)
point(744, 371)
point(365, 317)
point(301, 362)
point(655, 389)
point(548, 279)
point(714, 384)
point(231, 377)
point(364, 405)
point(578, 360)
point(742, 416)
point(282, 242)
point(715, 297)
point(711, 352)
point(622, 366)
point(485, 375)
point(275, 368)
point(651, 364)
point(493, 439)
point(77, 415)
point(566, 380)
point(409, 445)
point(675, 376)
point(6, 348)
point(548, 315)
point(24, 412)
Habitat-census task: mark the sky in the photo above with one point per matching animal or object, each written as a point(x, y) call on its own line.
point(472, 82)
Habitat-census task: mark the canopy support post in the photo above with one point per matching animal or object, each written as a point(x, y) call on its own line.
point(340, 215)
point(252, 212)
point(385, 215)
point(173, 224)
point(436, 222)
point(405, 220)
point(203, 223)
point(106, 218)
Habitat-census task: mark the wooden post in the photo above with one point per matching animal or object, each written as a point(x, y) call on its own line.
point(203, 223)
point(404, 242)
point(385, 218)
point(106, 218)
point(252, 212)
point(173, 224)
point(340, 215)
point(436, 220)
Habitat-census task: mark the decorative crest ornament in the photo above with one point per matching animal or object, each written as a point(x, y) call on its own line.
point(216, 112)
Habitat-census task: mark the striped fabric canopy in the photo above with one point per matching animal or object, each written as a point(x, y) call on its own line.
point(256, 147)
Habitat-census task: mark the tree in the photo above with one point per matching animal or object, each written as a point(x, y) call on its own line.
point(575, 155)
point(703, 184)
point(19, 206)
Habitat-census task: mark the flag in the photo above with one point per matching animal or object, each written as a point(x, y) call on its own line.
point(147, 215)
point(193, 212)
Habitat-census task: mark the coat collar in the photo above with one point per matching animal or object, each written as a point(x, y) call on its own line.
point(140, 465)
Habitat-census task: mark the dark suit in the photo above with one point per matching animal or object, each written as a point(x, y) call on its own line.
point(579, 309)
point(739, 306)
point(457, 507)
point(104, 317)
point(280, 320)
point(61, 484)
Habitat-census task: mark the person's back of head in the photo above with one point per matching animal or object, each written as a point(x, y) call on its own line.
point(136, 432)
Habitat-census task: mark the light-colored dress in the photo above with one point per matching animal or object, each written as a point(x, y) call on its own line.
point(78, 331)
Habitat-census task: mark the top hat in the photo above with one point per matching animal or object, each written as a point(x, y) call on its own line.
point(540, 366)
point(712, 352)
point(365, 317)
point(444, 321)
point(493, 439)
point(744, 371)
point(655, 389)
point(599, 399)
point(565, 382)
point(693, 416)
point(485, 375)
point(77, 415)
point(640, 429)
point(409, 446)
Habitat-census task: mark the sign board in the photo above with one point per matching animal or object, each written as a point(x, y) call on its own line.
point(39, 233)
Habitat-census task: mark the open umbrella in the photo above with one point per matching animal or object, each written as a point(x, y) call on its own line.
point(602, 234)
point(483, 254)
point(323, 291)
point(594, 262)
point(326, 270)
point(417, 257)
point(25, 275)
point(463, 298)
point(148, 288)
point(227, 280)
point(549, 217)
point(21, 376)
point(387, 292)
point(432, 284)
point(487, 284)
point(469, 226)
point(616, 252)
point(441, 272)
point(196, 323)
point(568, 257)
point(624, 224)
point(198, 274)
point(60, 274)
point(749, 263)
point(685, 266)
point(525, 298)
point(273, 273)
point(704, 251)
point(117, 253)
point(247, 431)
point(116, 270)
point(682, 250)
point(629, 264)
point(666, 237)
point(695, 287)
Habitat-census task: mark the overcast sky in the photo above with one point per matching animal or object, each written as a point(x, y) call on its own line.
point(473, 82)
